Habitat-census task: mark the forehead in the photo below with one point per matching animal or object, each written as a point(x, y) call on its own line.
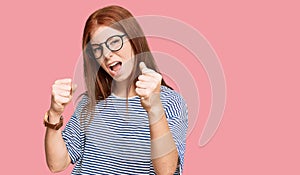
point(102, 33)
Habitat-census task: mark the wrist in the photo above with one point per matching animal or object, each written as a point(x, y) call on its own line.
point(156, 109)
point(53, 124)
point(53, 117)
point(153, 102)
point(155, 113)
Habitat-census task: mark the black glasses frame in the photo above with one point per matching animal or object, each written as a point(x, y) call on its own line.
point(107, 46)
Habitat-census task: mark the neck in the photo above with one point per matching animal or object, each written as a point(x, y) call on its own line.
point(119, 88)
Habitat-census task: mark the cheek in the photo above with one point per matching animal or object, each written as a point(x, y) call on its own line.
point(103, 67)
point(127, 52)
point(101, 63)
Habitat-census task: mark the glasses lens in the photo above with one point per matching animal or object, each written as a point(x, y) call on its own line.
point(115, 43)
point(97, 51)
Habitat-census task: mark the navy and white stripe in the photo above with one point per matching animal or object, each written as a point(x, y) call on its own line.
point(118, 139)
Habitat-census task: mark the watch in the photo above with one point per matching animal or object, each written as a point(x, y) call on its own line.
point(52, 126)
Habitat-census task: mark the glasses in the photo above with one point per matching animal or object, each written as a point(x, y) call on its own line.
point(113, 43)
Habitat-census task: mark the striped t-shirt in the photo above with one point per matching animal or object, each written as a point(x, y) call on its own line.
point(117, 141)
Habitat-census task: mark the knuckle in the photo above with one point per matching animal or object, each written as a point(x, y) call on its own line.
point(159, 76)
point(137, 83)
point(140, 77)
point(137, 90)
point(58, 81)
point(69, 87)
point(56, 97)
point(53, 86)
point(64, 100)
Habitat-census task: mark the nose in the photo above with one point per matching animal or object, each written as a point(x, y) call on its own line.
point(106, 52)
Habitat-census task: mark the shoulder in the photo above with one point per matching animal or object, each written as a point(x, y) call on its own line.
point(172, 101)
point(81, 103)
point(170, 95)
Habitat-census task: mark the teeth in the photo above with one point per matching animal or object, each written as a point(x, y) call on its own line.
point(113, 64)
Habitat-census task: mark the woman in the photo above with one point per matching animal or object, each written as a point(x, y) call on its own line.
point(128, 121)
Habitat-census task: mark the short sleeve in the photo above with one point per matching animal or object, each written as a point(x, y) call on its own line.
point(177, 116)
point(73, 134)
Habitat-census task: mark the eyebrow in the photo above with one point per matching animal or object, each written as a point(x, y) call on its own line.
point(95, 44)
point(98, 44)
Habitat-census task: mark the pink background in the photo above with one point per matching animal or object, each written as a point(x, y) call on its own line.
point(257, 43)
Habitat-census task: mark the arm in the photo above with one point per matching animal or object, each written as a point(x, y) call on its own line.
point(163, 149)
point(163, 164)
point(57, 156)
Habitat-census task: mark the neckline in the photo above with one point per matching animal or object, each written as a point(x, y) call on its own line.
point(123, 98)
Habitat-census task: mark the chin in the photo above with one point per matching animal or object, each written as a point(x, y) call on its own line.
point(120, 78)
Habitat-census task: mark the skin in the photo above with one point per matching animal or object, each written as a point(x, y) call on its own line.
point(149, 82)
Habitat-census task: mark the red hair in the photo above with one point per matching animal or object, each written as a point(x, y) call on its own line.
point(98, 82)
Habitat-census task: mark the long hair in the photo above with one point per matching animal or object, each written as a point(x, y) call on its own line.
point(98, 82)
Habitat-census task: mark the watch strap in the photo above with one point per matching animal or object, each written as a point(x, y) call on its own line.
point(52, 126)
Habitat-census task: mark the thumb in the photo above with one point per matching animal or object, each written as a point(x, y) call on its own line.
point(74, 87)
point(144, 69)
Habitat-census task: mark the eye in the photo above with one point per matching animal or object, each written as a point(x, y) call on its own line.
point(97, 49)
point(114, 41)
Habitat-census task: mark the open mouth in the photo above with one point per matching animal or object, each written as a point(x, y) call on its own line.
point(115, 67)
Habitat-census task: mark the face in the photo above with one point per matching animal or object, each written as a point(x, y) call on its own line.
point(113, 52)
